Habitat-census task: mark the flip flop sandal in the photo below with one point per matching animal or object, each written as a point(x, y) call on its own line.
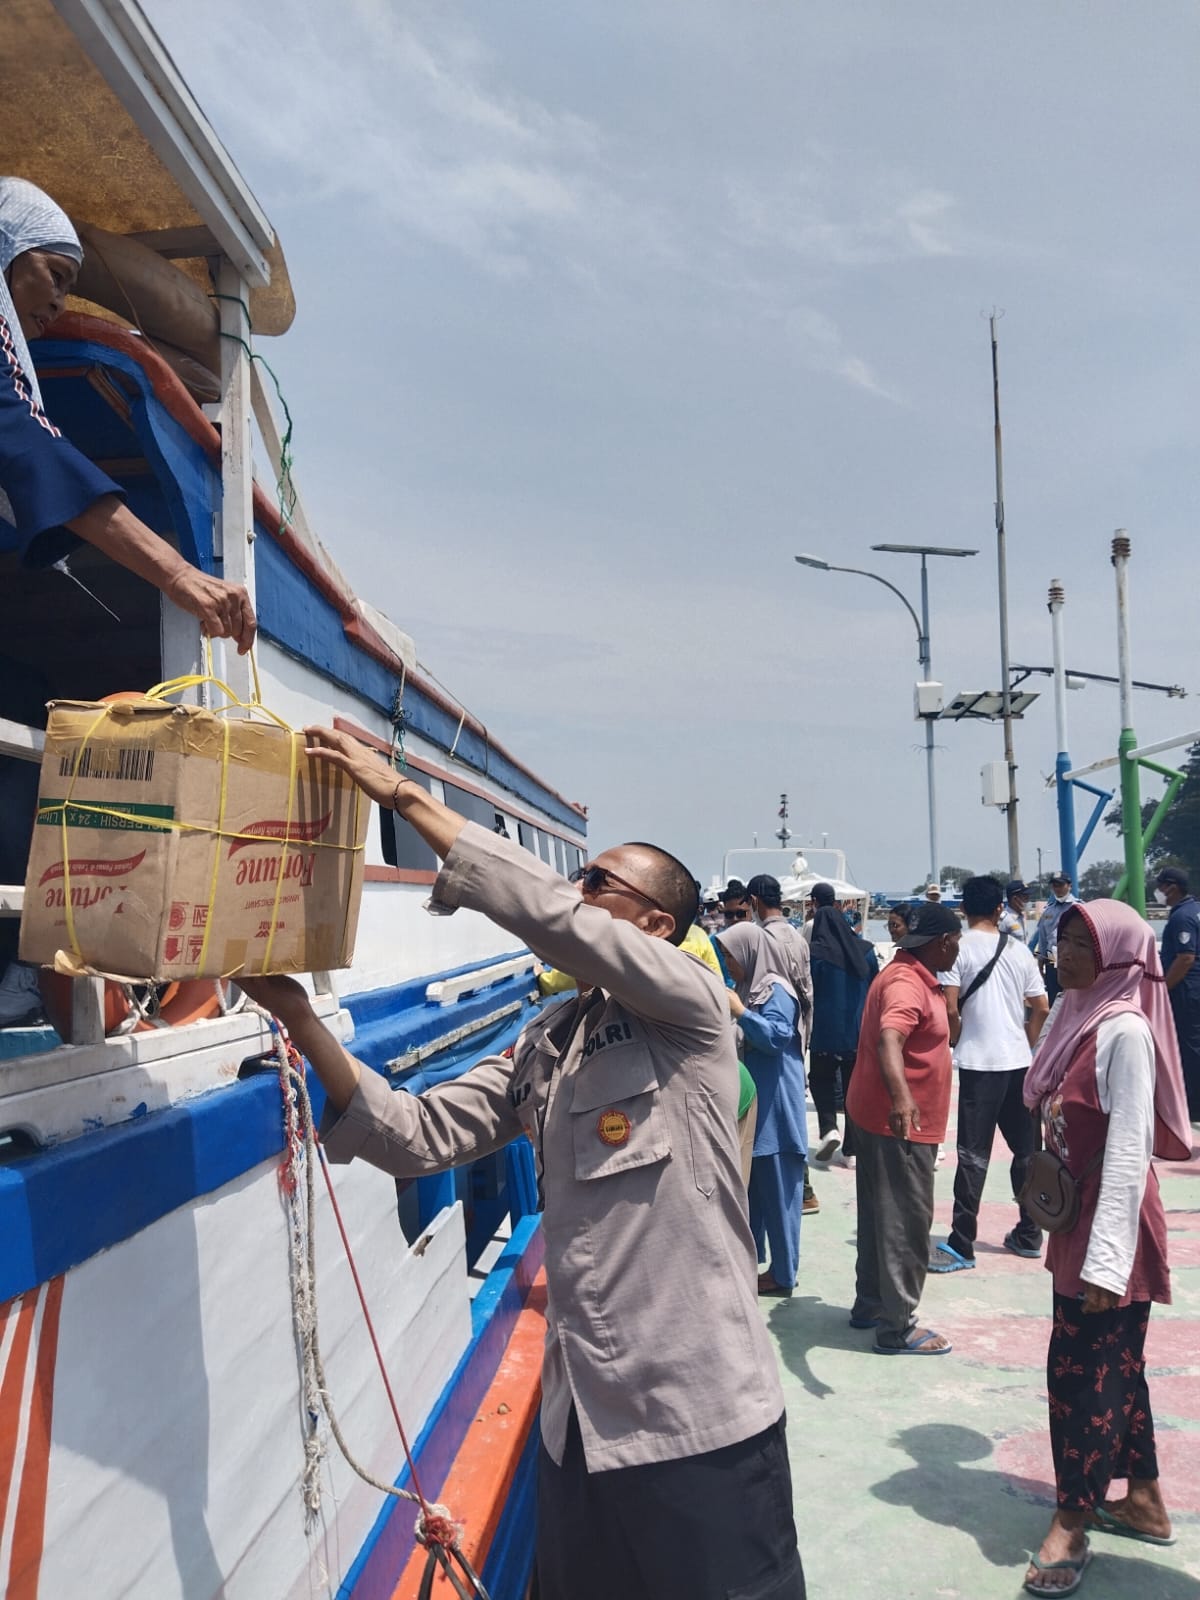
point(914, 1347)
point(946, 1259)
point(1077, 1567)
point(1104, 1522)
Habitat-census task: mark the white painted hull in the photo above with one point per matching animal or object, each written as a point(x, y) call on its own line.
point(175, 1451)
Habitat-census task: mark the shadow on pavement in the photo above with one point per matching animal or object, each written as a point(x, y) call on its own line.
point(944, 1489)
point(806, 1323)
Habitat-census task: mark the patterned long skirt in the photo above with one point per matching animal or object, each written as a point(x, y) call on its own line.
point(1101, 1426)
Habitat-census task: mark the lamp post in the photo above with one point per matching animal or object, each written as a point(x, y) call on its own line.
point(924, 657)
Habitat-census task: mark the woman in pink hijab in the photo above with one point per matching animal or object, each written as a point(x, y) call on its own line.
point(1107, 1082)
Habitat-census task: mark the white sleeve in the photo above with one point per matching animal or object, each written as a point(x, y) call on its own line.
point(1035, 984)
point(1125, 1067)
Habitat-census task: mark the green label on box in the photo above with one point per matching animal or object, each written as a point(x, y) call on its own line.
point(124, 817)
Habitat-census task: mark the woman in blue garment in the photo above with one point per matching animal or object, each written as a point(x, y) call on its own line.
point(46, 484)
point(843, 966)
point(766, 1008)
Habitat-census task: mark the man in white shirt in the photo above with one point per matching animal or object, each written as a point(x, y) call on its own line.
point(996, 999)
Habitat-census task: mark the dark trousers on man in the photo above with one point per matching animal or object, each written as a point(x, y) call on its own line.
point(1186, 1011)
point(894, 1179)
point(829, 1080)
point(1053, 989)
point(707, 1526)
point(987, 1101)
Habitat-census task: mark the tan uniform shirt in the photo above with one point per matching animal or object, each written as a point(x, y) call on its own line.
point(629, 1094)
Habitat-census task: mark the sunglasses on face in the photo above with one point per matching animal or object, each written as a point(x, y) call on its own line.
point(739, 915)
point(599, 880)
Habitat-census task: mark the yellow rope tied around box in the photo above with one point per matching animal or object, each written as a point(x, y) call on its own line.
point(161, 691)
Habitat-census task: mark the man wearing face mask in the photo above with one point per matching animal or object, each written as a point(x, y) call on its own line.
point(1180, 940)
point(1044, 943)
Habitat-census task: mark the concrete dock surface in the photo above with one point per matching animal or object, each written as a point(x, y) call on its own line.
point(929, 1477)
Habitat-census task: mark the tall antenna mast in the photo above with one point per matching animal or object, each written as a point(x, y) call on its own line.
point(1010, 810)
point(783, 833)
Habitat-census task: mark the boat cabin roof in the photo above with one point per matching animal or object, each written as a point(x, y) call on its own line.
point(98, 115)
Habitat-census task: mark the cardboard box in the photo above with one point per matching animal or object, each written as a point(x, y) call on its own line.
point(167, 830)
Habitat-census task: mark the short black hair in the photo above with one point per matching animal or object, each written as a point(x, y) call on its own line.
point(982, 897)
point(673, 886)
point(735, 889)
point(765, 888)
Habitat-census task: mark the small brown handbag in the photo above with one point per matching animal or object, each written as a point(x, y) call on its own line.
point(1050, 1193)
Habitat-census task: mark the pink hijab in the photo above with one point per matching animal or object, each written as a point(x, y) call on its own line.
point(1129, 977)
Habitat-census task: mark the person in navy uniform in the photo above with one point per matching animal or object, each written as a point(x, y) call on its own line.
point(1180, 942)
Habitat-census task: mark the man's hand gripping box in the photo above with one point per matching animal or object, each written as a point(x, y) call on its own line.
point(174, 843)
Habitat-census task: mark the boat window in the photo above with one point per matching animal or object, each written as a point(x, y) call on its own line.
point(472, 806)
point(545, 848)
point(526, 835)
point(403, 846)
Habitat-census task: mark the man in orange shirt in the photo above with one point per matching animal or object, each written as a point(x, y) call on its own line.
point(898, 1100)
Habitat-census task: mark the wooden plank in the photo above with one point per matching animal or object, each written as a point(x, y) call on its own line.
point(447, 990)
point(20, 740)
point(179, 244)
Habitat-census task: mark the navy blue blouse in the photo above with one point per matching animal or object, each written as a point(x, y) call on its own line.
point(47, 480)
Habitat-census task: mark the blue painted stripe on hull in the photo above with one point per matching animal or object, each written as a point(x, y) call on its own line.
point(509, 1564)
point(61, 1206)
point(378, 1565)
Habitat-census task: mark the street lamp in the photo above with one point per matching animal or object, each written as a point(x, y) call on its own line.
point(921, 624)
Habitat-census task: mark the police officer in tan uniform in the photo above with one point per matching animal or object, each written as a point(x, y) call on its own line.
point(663, 1469)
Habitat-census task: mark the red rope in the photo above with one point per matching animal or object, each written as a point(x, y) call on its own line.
point(438, 1530)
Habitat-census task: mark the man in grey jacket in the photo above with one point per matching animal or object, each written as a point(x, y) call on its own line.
point(664, 1465)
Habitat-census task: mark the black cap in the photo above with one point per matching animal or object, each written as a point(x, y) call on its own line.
point(1060, 877)
point(1015, 886)
point(765, 888)
point(927, 922)
point(823, 894)
point(1174, 875)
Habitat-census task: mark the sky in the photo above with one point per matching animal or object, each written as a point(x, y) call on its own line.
point(606, 312)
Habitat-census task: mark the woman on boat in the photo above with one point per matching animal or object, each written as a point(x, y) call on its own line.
point(1107, 1082)
point(46, 484)
point(842, 968)
point(766, 1007)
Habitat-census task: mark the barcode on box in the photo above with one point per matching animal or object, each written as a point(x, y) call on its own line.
point(119, 762)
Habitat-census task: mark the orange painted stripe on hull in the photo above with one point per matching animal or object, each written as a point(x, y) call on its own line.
point(11, 1390)
point(29, 1533)
point(479, 1480)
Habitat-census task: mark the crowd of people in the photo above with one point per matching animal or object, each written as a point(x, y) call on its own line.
point(673, 1155)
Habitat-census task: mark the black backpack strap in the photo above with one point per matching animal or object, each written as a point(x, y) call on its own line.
point(982, 976)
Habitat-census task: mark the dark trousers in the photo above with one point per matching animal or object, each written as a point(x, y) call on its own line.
point(987, 1101)
point(1186, 1012)
point(1101, 1425)
point(1050, 973)
point(829, 1080)
point(894, 1180)
point(717, 1526)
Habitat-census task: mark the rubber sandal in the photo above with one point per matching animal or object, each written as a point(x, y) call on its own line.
point(1077, 1567)
point(914, 1346)
point(947, 1259)
point(1104, 1522)
point(1026, 1251)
